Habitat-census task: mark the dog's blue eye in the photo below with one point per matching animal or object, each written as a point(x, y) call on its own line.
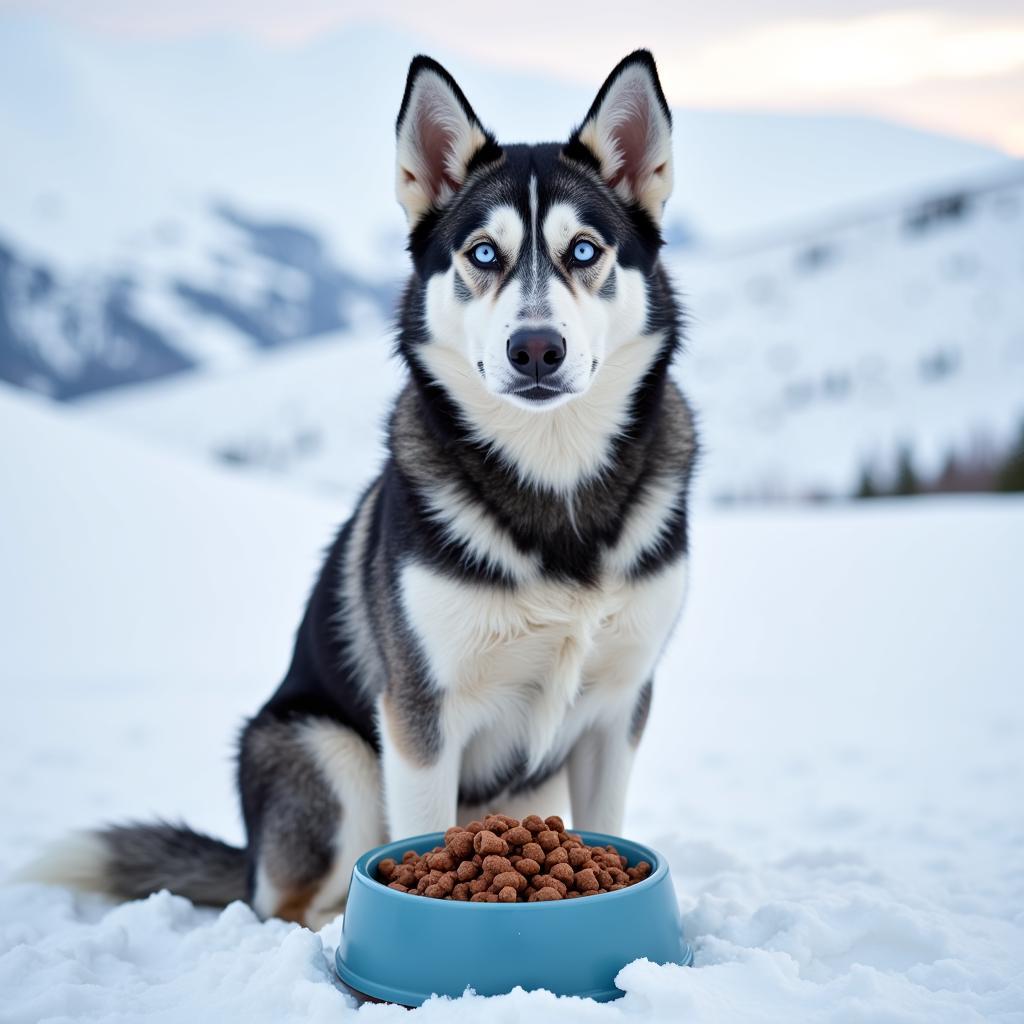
point(484, 255)
point(583, 252)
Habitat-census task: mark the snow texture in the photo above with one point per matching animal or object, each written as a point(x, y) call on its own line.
point(833, 765)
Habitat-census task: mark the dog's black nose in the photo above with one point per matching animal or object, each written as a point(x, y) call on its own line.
point(536, 352)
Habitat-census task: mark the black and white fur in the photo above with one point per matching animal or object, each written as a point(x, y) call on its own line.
point(486, 626)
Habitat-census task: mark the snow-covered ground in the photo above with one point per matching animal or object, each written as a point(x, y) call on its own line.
point(834, 764)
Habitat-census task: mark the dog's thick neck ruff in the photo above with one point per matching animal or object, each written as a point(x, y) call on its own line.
point(552, 451)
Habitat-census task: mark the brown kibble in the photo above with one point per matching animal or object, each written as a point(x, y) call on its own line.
point(487, 842)
point(549, 882)
point(495, 865)
point(507, 878)
point(440, 861)
point(564, 873)
point(535, 852)
point(578, 856)
point(503, 859)
point(547, 840)
point(467, 871)
point(460, 844)
point(518, 836)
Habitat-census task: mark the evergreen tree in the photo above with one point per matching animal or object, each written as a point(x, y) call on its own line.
point(867, 487)
point(1010, 475)
point(907, 481)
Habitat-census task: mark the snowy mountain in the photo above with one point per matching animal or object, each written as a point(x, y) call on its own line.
point(829, 351)
point(167, 204)
point(210, 287)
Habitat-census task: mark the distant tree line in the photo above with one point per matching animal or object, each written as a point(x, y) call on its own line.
point(982, 469)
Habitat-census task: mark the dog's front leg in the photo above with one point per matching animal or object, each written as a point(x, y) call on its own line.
point(599, 768)
point(420, 767)
point(600, 764)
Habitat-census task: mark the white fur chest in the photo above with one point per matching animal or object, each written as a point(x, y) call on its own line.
point(524, 671)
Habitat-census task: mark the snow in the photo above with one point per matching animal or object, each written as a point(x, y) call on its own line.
point(292, 415)
point(833, 765)
point(828, 349)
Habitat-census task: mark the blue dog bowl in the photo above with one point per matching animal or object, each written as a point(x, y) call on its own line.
point(403, 948)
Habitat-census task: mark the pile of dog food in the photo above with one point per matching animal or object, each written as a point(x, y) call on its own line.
point(503, 860)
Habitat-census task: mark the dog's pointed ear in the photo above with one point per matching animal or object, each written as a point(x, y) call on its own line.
point(439, 139)
point(627, 135)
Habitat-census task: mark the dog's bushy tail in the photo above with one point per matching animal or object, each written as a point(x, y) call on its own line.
point(133, 860)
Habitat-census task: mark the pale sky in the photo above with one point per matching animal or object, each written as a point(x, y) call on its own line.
point(956, 67)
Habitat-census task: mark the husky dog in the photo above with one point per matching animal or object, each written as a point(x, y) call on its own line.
point(485, 628)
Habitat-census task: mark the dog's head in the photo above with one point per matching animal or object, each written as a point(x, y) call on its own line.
point(533, 263)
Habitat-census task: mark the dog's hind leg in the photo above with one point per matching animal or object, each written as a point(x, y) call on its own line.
point(311, 797)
